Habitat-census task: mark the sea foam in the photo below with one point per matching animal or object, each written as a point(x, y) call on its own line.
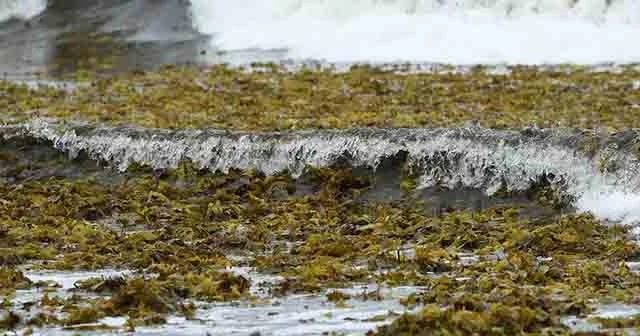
point(440, 31)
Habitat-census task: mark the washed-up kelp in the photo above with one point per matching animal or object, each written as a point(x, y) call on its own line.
point(271, 98)
point(500, 268)
point(516, 262)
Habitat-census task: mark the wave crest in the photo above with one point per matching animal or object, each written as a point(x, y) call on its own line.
point(601, 172)
point(441, 31)
point(21, 9)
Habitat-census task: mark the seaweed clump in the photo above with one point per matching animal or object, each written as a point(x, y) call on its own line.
point(12, 279)
point(10, 321)
point(497, 319)
point(618, 323)
point(145, 300)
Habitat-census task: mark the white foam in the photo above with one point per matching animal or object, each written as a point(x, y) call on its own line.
point(616, 206)
point(21, 9)
point(471, 157)
point(443, 31)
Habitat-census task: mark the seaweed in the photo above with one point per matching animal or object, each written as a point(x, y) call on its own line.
point(337, 296)
point(10, 321)
point(82, 316)
point(12, 279)
point(618, 323)
point(497, 319)
point(220, 96)
point(488, 270)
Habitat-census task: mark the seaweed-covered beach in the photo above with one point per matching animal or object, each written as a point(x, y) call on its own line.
point(154, 182)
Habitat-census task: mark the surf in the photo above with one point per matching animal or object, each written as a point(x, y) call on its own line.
point(604, 180)
point(21, 9)
point(439, 31)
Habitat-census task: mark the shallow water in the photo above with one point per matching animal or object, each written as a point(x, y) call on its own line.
point(309, 314)
point(290, 315)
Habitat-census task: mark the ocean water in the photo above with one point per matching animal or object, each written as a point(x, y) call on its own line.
point(375, 31)
point(441, 31)
point(271, 317)
point(21, 9)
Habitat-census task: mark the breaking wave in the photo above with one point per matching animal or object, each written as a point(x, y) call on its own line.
point(21, 9)
point(601, 173)
point(441, 31)
point(462, 32)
